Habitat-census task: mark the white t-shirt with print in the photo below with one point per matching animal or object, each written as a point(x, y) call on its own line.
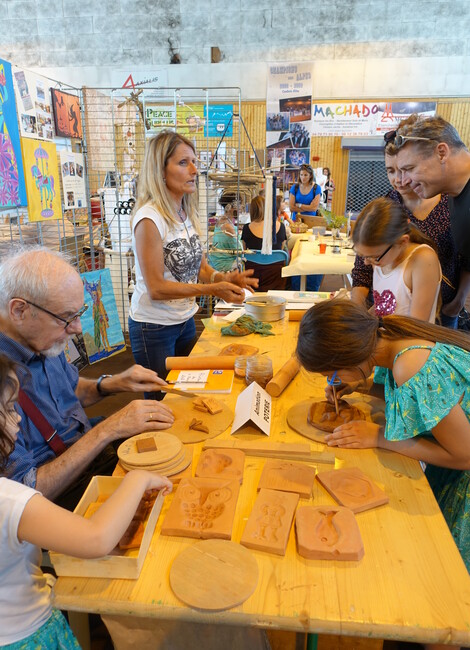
point(25, 602)
point(182, 256)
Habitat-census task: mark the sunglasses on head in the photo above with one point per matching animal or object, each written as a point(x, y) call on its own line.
point(392, 137)
point(307, 167)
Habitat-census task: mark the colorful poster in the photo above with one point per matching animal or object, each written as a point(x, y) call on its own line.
point(34, 105)
point(72, 171)
point(101, 327)
point(218, 120)
point(190, 120)
point(67, 120)
point(289, 110)
point(159, 117)
point(364, 118)
point(42, 180)
point(12, 183)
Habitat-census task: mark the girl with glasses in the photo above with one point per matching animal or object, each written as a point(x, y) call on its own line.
point(406, 269)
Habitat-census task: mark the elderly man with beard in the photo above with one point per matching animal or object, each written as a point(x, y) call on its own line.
point(41, 301)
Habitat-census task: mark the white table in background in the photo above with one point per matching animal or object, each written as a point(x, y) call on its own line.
point(307, 260)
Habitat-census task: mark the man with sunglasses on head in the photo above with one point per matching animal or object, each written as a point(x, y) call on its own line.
point(57, 450)
point(433, 159)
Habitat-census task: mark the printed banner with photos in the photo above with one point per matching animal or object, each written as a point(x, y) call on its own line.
point(12, 182)
point(67, 120)
point(42, 180)
point(73, 179)
point(363, 118)
point(288, 114)
point(101, 327)
point(34, 105)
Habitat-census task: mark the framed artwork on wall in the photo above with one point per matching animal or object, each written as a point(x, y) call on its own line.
point(67, 120)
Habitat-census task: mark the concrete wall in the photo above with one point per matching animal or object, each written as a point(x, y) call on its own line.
point(360, 48)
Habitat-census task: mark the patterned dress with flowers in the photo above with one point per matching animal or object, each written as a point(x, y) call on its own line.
point(414, 408)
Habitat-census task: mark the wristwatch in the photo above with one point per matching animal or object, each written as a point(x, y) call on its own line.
point(98, 385)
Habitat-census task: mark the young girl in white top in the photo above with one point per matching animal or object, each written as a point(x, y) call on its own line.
point(29, 522)
point(407, 272)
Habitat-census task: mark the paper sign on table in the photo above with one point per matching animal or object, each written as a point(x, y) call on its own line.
point(253, 405)
point(193, 376)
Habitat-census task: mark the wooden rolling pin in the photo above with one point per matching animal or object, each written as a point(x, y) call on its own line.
point(296, 314)
point(283, 377)
point(200, 363)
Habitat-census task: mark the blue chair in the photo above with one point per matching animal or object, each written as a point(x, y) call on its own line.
point(260, 258)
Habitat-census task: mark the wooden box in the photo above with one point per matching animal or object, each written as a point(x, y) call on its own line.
point(126, 564)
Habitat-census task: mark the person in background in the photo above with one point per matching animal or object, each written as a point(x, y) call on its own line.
point(29, 523)
point(424, 378)
point(406, 269)
point(432, 218)
point(171, 268)
point(433, 159)
point(268, 275)
point(305, 195)
point(282, 215)
point(226, 238)
point(58, 449)
point(328, 188)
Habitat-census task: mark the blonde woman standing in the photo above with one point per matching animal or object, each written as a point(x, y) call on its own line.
point(171, 268)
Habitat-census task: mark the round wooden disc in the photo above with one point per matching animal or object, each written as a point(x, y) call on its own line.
point(160, 467)
point(297, 415)
point(184, 412)
point(168, 446)
point(239, 350)
point(214, 574)
point(182, 464)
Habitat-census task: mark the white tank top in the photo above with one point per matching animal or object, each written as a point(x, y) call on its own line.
point(391, 295)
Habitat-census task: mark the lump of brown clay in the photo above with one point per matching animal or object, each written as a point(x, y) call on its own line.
point(322, 415)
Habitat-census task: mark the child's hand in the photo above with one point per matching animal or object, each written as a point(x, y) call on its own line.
point(157, 482)
point(341, 391)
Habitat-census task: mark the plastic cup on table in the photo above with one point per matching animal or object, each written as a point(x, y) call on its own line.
point(322, 248)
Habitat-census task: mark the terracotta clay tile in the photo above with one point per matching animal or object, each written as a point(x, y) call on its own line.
point(227, 464)
point(288, 477)
point(351, 488)
point(269, 524)
point(328, 533)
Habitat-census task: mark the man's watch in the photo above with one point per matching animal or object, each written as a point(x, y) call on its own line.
point(98, 386)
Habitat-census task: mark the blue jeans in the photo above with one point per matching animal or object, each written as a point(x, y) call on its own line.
point(151, 344)
point(449, 321)
point(313, 282)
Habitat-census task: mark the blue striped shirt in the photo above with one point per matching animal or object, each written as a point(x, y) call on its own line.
point(50, 383)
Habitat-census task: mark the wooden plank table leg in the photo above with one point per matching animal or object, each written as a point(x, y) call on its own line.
point(80, 626)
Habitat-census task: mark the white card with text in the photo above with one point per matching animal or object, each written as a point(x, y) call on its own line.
point(253, 405)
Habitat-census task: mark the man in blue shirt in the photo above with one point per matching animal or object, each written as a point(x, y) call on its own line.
point(41, 301)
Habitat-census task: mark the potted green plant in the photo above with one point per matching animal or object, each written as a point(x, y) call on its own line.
point(335, 221)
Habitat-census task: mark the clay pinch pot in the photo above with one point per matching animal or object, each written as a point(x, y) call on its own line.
point(322, 415)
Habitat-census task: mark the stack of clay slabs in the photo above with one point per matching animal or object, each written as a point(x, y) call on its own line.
point(156, 452)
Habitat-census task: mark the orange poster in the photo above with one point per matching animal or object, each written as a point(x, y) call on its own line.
point(67, 119)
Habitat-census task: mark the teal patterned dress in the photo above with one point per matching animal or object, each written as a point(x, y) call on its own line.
point(415, 407)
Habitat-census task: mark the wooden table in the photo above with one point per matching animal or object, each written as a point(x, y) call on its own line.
point(411, 584)
point(307, 260)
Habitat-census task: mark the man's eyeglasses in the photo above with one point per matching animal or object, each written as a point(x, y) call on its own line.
point(399, 140)
point(68, 321)
point(379, 257)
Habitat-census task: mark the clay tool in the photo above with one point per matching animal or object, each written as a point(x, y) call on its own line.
point(175, 391)
point(334, 382)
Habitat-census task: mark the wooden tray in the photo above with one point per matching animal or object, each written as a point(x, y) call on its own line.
point(184, 413)
point(373, 407)
point(214, 574)
point(125, 565)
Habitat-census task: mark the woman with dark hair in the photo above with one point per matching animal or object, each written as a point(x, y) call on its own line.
point(305, 195)
point(328, 188)
point(406, 269)
point(424, 371)
point(268, 275)
point(171, 268)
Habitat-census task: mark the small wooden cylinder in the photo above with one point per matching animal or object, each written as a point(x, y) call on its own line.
point(283, 377)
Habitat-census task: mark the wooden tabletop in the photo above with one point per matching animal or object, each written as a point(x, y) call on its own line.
point(410, 585)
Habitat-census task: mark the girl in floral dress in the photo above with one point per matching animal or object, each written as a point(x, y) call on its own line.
point(423, 375)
